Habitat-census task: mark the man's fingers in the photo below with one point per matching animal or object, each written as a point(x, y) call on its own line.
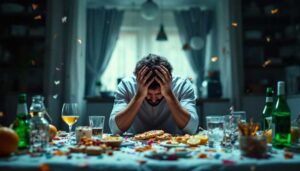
point(142, 72)
point(147, 77)
point(160, 75)
point(159, 81)
point(166, 70)
point(148, 84)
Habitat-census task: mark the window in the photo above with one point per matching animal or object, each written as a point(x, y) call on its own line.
point(135, 42)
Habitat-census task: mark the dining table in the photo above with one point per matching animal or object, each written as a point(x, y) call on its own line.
point(127, 157)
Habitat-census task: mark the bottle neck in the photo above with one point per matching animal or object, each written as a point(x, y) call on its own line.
point(22, 109)
point(281, 90)
point(269, 99)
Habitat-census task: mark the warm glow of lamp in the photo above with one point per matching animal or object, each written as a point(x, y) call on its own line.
point(149, 10)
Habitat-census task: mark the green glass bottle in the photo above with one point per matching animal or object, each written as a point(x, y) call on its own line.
point(267, 111)
point(21, 124)
point(281, 119)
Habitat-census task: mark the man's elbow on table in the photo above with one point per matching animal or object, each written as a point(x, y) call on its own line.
point(113, 126)
point(192, 125)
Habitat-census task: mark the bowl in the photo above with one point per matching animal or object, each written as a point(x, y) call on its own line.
point(253, 146)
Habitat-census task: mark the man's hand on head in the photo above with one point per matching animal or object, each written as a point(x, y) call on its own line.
point(164, 79)
point(142, 81)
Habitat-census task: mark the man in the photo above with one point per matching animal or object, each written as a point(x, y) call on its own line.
point(152, 99)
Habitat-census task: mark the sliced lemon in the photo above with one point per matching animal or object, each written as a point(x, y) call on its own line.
point(193, 141)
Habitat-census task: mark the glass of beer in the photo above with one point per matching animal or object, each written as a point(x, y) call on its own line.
point(69, 114)
point(97, 124)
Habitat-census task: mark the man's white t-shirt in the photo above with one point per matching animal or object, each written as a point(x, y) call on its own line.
point(159, 116)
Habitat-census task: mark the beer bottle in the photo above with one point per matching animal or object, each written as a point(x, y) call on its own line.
point(281, 119)
point(21, 124)
point(267, 111)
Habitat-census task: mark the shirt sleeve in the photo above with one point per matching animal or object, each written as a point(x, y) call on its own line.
point(188, 101)
point(120, 104)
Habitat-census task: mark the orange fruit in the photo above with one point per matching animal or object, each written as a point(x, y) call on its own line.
point(8, 141)
point(52, 132)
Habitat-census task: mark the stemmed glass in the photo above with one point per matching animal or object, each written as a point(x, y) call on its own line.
point(70, 115)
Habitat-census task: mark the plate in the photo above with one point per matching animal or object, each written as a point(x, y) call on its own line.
point(165, 144)
point(167, 155)
point(127, 143)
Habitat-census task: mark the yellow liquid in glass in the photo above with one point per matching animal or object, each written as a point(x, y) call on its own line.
point(70, 120)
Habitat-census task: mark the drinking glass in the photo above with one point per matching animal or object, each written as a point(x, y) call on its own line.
point(69, 114)
point(242, 115)
point(231, 130)
point(215, 132)
point(97, 124)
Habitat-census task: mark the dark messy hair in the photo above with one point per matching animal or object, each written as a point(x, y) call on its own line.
point(152, 62)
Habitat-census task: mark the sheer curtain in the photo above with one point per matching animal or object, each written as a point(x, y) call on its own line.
point(65, 69)
point(190, 23)
point(103, 26)
point(138, 39)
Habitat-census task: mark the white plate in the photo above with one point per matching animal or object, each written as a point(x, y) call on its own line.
point(164, 155)
point(164, 143)
point(127, 143)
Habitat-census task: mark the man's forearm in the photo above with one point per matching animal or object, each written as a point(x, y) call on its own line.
point(125, 118)
point(180, 115)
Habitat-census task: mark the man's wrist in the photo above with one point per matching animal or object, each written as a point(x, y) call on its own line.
point(169, 95)
point(138, 97)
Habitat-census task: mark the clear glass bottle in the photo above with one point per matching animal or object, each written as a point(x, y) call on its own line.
point(267, 111)
point(21, 124)
point(281, 119)
point(39, 126)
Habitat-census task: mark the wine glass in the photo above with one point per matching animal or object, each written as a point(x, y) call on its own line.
point(69, 114)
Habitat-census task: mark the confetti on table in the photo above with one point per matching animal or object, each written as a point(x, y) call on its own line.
point(44, 167)
point(140, 161)
point(217, 156)
point(288, 155)
point(229, 162)
point(202, 156)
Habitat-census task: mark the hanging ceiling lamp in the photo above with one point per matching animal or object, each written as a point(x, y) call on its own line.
point(149, 10)
point(161, 36)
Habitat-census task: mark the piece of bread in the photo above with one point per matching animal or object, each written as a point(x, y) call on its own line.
point(78, 149)
point(165, 136)
point(149, 134)
point(94, 150)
